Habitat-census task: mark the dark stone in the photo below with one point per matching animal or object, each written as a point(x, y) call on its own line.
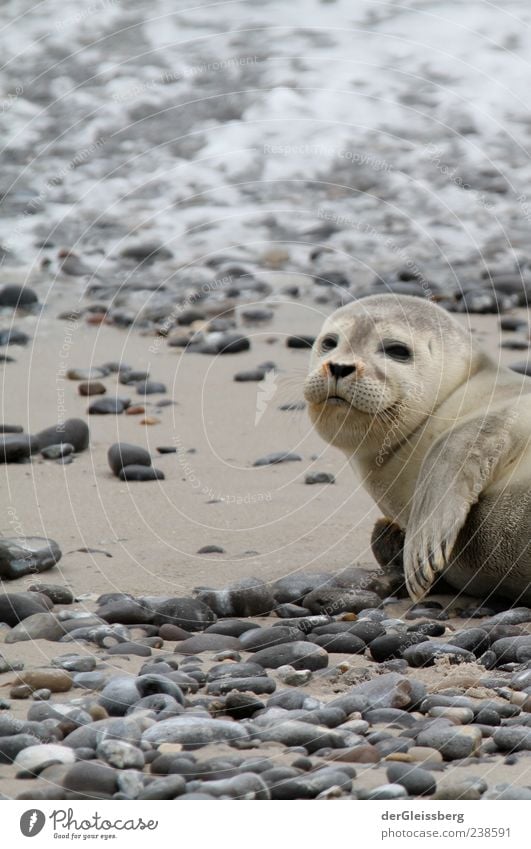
point(294, 588)
point(12, 336)
point(73, 431)
point(13, 744)
point(150, 387)
point(123, 454)
point(211, 549)
point(55, 592)
point(108, 406)
point(319, 477)
point(276, 458)
point(90, 780)
point(206, 642)
point(340, 643)
point(141, 474)
point(15, 447)
point(231, 627)
point(242, 705)
point(261, 638)
point(146, 252)
point(125, 611)
point(17, 296)
point(21, 556)
point(188, 613)
point(426, 653)
point(300, 341)
point(333, 600)
point(300, 655)
point(57, 452)
point(247, 597)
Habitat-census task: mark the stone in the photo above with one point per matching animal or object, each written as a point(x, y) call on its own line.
point(126, 611)
point(39, 626)
point(58, 452)
point(90, 779)
point(146, 253)
point(417, 781)
point(88, 388)
point(385, 792)
point(426, 653)
point(277, 457)
point(119, 694)
point(141, 473)
point(261, 685)
point(12, 336)
point(334, 600)
point(15, 447)
point(73, 431)
point(340, 643)
point(319, 477)
point(150, 387)
point(206, 642)
point(32, 760)
point(298, 654)
point(292, 732)
point(194, 731)
point(169, 787)
point(188, 613)
point(56, 680)
point(57, 593)
point(85, 374)
point(15, 607)
point(293, 677)
point(261, 638)
point(246, 786)
point(390, 690)
point(516, 738)
point(13, 744)
point(120, 754)
point(453, 743)
point(300, 341)
point(122, 454)
point(15, 296)
point(295, 587)
point(108, 406)
point(246, 597)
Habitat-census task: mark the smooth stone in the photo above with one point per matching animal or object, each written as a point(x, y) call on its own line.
point(390, 690)
point(276, 458)
point(454, 743)
point(166, 449)
point(39, 626)
point(514, 739)
point(56, 680)
point(259, 686)
point(340, 643)
point(55, 592)
point(206, 642)
point(246, 786)
point(231, 627)
point(426, 653)
point(15, 447)
point(150, 387)
point(146, 252)
point(121, 755)
point(141, 473)
point(333, 600)
point(385, 792)
point(194, 731)
point(507, 648)
point(75, 662)
point(290, 611)
point(35, 758)
point(299, 654)
point(13, 744)
point(125, 611)
point(300, 341)
point(240, 705)
point(292, 732)
point(191, 614)
point(365, 753)
point(15, 296)
point(319, 477)
point(89, 680)
point(122, 454)
point(417, 781)
point(12, 336)
point(57, 452)
point(294, 588)
point(224, 671)
point(246, 597)
point(130, 648)
point(293, 677)
point(90, 779)
point(508, 792)
point(168, 787)
point(15, 607)
point(221, 343)
point(211, 549)
point(261, 638)
point(172, 633)
point(85, 373)
point(119, 694)
point(108, 406)
point(73, 431)
point(88, 388)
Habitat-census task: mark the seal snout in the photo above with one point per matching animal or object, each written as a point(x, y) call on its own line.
point(338, 370)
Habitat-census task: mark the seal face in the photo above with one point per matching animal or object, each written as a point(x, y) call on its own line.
point(439, 433)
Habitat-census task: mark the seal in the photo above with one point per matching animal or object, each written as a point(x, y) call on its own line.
point(440, 435)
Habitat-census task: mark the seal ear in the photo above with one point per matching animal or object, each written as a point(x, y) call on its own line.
point(449, 483)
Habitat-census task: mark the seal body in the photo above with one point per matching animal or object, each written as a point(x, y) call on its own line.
point(440, 435)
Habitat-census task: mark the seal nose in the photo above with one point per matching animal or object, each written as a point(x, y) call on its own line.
point(337, 370)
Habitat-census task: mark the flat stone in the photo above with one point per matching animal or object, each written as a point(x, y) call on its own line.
point(141, 473)
point(39, 626)
point(56, 680)
point(277, 457)
point(194, 731)
point(15, 607)
point(73, 431)
point(15, 447)
point(299, 654)
point(206, 642)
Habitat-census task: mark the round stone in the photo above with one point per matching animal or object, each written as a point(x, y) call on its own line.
point(140, 473)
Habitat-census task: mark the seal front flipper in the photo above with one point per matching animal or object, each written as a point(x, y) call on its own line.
point(459, 466)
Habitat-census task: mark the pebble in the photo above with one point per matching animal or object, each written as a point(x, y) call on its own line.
point(15, 296)
point(426, 653)
point(417, 781)
point(120, 754)
point(13, 744)
point(56, 680)
point(319, 477)
point(517, 738)
point(277, 457)
point(16, 447)
point(385, 792)
point(193, 731)
point(300, 341)
point(38, 626)
point(15, 607)
point(12, 336)
point(169, 787)
point(90, 779)
point(150, 387)
point(86, 374)
point(122, 454)
point(260, 638)
point(246, 597)
point(340, 643)
point(57, 452)
point(206, 642)
point(87, 388)
point(73, 431)
point(299, 654)
point(453, 743)
point(293, 677)
point(141, 473)
point(33, 759)
point(334, 600)
point(108, 406)
point(191, 614)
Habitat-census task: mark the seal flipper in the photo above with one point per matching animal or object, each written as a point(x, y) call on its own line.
point(387, 544)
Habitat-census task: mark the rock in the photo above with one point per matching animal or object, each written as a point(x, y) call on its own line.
point(141, 473)
point(15, 447)
point(211, 549)
point(299, 654)
point(516, 738)
point(194, 731)
point(21, 556)
point(38, 626)
point(119, 694)
point(276, 458)
point(85, 374)
point(34, 759)
point(12, 336)
point(260, 638)
point(89, 779)
point(292, 677)
point(73, 431)
point(15, 607)
point(108, 406)
point(188, 613)
point(150, 387)
point(146, 253)
point(206, 642)
point(453, 743)
point(310, 785)
point(426, 653)
point(13, 744)
point(319, 477)
point(250, 376)
point(300, 341)
point(121, 755)
point(362, 754)
point(169, 787)
point(221, 343)
point(295, 587)
point(261, 685)
point(123, 454)
point(390, 690)
point(88, 388)
point(56, 680)
point(384, 792)
point(56, 452)
point(340, 643)
point(507, 648)
point(127, 376)
point(125, 611)
point(247, 785)
point(17, 296)
point(231, 627)
point(7, 428)
point(292, 732)
point(333, 600)
point(417, 781)
point(55, 592)
point(246, 597)
point(166, 449)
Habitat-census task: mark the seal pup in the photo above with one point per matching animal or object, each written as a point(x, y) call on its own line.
point(439, 434)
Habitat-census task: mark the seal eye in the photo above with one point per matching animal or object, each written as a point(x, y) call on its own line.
point(328, 343)
point(397, 351)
